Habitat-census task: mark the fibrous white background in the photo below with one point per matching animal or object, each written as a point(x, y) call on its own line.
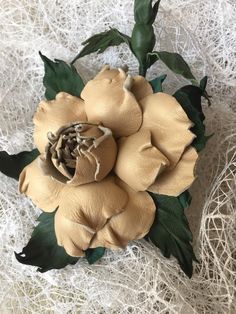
point(139, 279)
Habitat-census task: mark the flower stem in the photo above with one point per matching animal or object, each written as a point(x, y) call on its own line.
point(142, 70)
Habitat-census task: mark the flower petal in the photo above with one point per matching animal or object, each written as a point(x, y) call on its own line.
point(51, 115)
point(111, 102)
point(95, 164)
point(176, 181)
point(131, 224)
point(138, 162)
point(43, 190)
point(67, 230)
point(169, 125)
point(141, 88)
point(107, 73)
point(85, 209)
point(105, 156)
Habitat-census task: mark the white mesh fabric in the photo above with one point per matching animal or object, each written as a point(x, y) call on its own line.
point(139, 279)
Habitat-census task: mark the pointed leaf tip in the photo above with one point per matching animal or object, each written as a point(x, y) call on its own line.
point(12, 165)
point(100, 42)
point(93, 255)
point(157, 83)
point(189, 97)
point(176, 63)
point(203, 83)
point(42, 249)
point(60, 77)
point(170, 231)
point(144, 12)
point(155, 10)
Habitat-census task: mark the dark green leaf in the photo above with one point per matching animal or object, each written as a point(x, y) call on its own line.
point(42, 250)
point(176, 64)
point(92, 255)
point(155, 10)
point(144, 13)
point(203, 83)
point(60, 77)
point(185, 199)
point(100, 42)
point(12, 165)
point(157, 83)
point(170, 231)
point(194, 94)
point(151, 59)
point(189, 98)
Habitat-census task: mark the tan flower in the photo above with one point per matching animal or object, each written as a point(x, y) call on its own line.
point(101, 153)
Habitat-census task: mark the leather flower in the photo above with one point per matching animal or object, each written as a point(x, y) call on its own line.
point(101, 153)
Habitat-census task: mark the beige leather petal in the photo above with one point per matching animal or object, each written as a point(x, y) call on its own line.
point(107, 73)
point(96, 163)
point(138, 161)
point(105, 156)
point(85, 169)
point(43, 190)
point(51, 115)
point(141, 88)
point(169, 124)
point(176, 181)
point(85, 209)
point(111, 102)
point(70, 233)
point(133, 223)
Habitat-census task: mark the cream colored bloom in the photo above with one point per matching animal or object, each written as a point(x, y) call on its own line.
point(101, 153)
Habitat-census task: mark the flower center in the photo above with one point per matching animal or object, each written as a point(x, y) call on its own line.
point(74, 154)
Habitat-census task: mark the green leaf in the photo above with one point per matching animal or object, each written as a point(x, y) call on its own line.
point(194, 94)
point(185, 199)
point(175, 63)
point(151, 59)
point(100, 42)
point(42, 250)
point(12, 165)
point(144, 13)
point(92, 255)
point(157, 83)
point(60, 77)
point(170, 231)
point(189, 98)
point(203, 83)
point(155, 10)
